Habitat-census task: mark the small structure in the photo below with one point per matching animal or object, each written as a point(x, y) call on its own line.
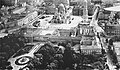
point(19, 10)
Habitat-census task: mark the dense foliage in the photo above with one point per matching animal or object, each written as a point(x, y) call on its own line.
point(9, 45)
point(52, 58)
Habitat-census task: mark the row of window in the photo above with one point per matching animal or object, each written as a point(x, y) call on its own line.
point(90, 51)
point(113, 33)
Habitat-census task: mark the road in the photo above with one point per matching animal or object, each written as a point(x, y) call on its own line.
point(51, 27)
point(22, 61)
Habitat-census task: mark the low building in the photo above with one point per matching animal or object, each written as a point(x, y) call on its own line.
point(96, 1)
point(19, 10)
point(27, 19)
point(8, 2)
point(78, 2)
point(77, 11)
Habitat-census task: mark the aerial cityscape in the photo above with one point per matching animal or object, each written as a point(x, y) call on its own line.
point(59, 34)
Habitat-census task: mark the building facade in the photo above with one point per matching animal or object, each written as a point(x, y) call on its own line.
point(113, 30)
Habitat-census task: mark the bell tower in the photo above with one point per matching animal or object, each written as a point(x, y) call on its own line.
point(85, 10)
